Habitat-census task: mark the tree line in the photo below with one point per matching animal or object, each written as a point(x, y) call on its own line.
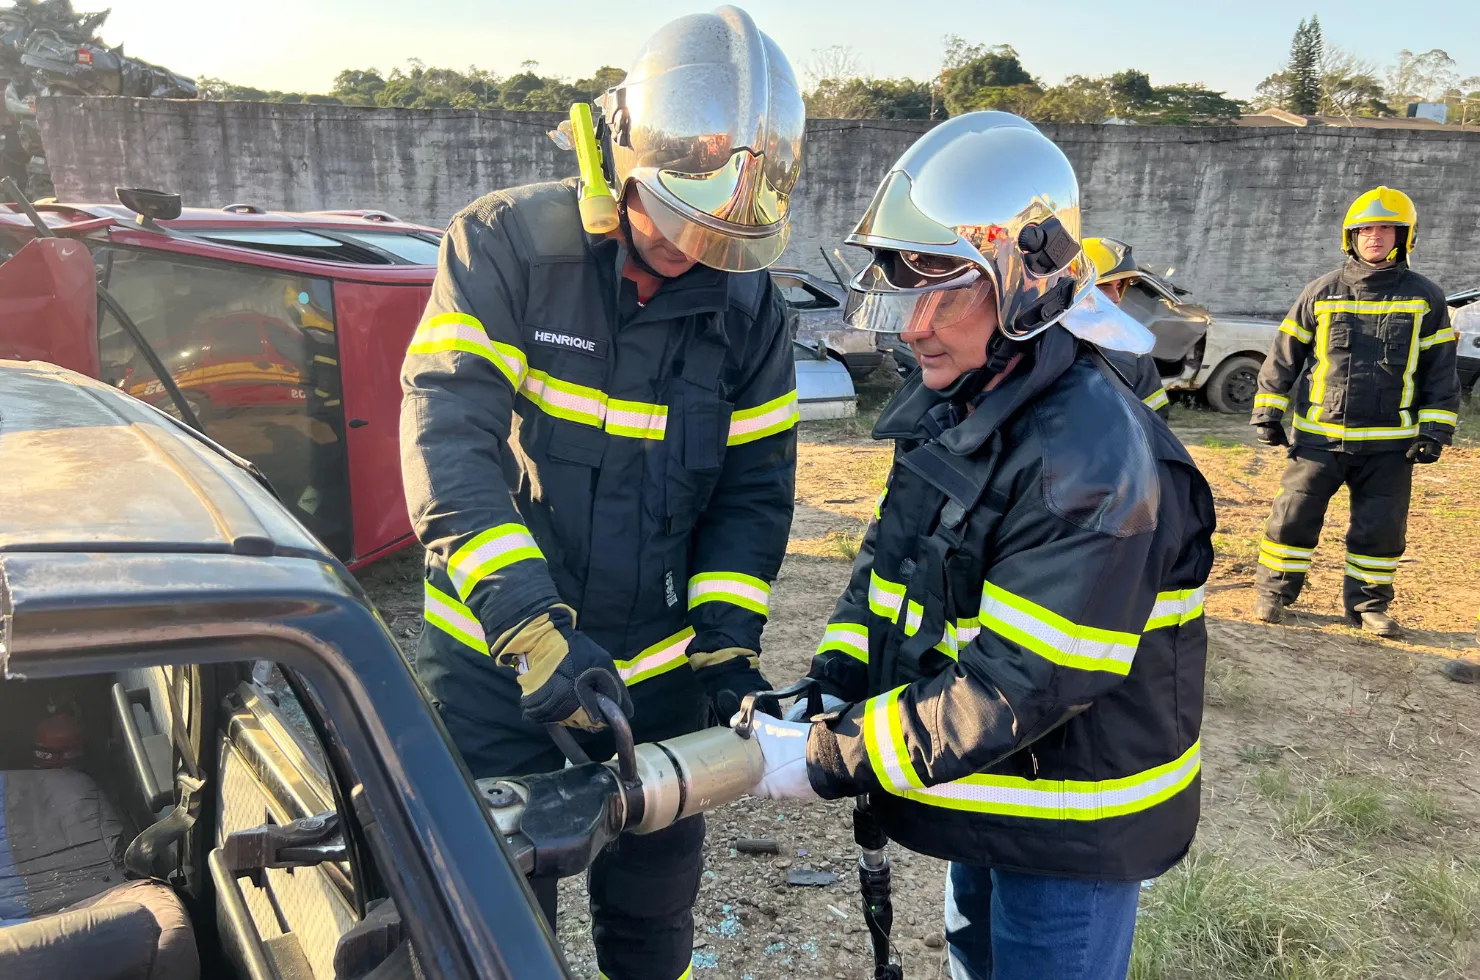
point(1318, 79)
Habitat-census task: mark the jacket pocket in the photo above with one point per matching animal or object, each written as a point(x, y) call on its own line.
point(694, 452)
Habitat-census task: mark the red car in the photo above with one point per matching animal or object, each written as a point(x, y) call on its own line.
point(281, 335)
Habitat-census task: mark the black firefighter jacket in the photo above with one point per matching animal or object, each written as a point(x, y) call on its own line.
point(1368, 357)
point(1022, 638)
point(562, 444)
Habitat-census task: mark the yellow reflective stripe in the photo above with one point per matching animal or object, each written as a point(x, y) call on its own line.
point(1065, 799)
point(1053, 637)
point(1175, 608)
point(636, 420)
point(776, 415)
point(736, 588)
point(444, 332)
point(1295, 330)
point(1367, 561)
point(849, 638)
point(1285, 550)
point(1419, 306)
point(913, 614)
point(1323, 364)
point(667, 654)
point(1411, 367)
point(688, 974)
point(885, 598)
point(1350, 434)
point(879, 504)
point(883, 739)
point(1438, 337)
point(1370, 577)
point(1268, 399)
point(1285, 564)
point(487, 553)
point(453, 618)
point(1157, 399)
point(1438, 415)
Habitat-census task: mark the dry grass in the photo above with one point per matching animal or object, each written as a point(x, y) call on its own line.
point(1227, 684)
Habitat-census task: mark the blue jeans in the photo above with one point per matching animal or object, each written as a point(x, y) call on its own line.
point(1003, 925)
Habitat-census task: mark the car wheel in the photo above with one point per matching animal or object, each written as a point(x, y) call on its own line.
point(1232, 387)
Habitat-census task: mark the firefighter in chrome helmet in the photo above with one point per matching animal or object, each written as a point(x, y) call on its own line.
point(598, 443)
point(1014, 673)
point(1116, 269)
point(1364, 367)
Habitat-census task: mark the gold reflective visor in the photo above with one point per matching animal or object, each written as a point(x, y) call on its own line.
point(738, 193)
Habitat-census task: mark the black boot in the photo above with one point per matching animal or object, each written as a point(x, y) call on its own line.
point(1270, 609)
point(1376, 622)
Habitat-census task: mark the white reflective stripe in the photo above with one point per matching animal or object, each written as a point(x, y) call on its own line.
point(637, 420)
point(1438, 337)
point(1285, 550)
point(1065, 799)
point(883, 739)
point(1053, 637)
point(1285, 564)
point(885, 598)
point(736, 588)
point(1367, 561)
point(663, 656)
point(1353, 434)
point(453, 618)
point(1270, 400)
point(1372, 578)
point(1438, 415)
point(1157, 399)
point(776, 415)
point(1295, 330)
point(487, 553)
point(460, 332)
point(574, 403)
point(1175, 608)
point(849, 638)
point(913, 614)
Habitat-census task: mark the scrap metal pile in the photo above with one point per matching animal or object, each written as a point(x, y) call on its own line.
point(46, 48)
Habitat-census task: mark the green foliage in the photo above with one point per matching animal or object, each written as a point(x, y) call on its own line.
point(870, 98)
point(1304, 69)
point(992, 78)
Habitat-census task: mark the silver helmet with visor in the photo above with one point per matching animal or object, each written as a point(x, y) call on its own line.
point(982, 209)
point(708, 125)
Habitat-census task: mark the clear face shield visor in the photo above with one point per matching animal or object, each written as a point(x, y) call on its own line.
point(911, 292)
point(722, 245)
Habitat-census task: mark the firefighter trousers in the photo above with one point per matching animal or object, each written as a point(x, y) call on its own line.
point(642, 888)
point(1380, 485)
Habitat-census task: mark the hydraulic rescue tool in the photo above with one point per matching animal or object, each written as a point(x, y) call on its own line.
point(555, 823)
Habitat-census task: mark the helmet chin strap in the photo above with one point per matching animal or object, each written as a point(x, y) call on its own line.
point(1001, 349)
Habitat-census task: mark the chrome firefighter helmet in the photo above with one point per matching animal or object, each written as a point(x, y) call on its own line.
point(983, 203)
point(1381, 206)
point(708, 124)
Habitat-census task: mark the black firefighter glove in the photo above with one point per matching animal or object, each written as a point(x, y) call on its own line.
point(1425, 450)
point(550, 653)
point(1271, 434)
point(728, 675)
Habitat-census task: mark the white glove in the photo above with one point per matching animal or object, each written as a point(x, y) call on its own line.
point(784, 747)
point(798, 711)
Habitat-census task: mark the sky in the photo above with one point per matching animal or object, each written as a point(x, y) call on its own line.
point(299, 45)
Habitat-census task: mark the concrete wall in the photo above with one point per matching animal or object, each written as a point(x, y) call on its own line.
point(1246, 216)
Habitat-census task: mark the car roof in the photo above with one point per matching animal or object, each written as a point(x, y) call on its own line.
point(90, 469)
point(194, 219)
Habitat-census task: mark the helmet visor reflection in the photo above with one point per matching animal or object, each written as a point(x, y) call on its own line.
point(728, 248)
point(917, 309)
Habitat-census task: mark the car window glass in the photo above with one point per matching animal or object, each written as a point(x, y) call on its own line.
point(798, 295)
point(255, 355)
point(411, 248)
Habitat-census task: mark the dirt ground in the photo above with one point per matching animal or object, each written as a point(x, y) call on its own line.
point(1341, 789)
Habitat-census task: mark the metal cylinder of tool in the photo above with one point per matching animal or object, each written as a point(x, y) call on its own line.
point(693, 773)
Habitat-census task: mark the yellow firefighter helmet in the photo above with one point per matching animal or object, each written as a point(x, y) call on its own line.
point(1381, 206)
point(1112, 259)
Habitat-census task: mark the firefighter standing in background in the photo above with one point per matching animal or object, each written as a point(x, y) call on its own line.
point(1367, 356)
point(1014, 673)
point(1115, 270)
point(599, 448)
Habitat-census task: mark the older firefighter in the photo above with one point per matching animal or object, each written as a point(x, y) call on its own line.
point(1116, 270)
point(1014, 674)
point(599, 449)
point(1367, 355)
